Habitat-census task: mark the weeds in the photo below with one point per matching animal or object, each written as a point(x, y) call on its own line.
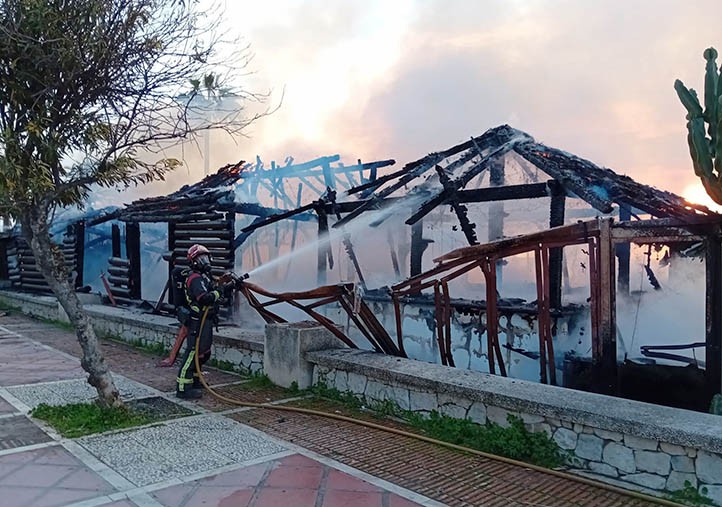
point(514, 442)
point(690, 496)
point(224, 365)
point(60, 324)
point(259, 381)
point(155, 348)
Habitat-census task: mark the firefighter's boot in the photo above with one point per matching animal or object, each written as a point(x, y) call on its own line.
point(189, 393)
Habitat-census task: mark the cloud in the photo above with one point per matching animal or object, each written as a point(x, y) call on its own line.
point(377, 79)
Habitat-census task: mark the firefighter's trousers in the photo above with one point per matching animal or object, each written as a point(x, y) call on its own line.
point(187, 371)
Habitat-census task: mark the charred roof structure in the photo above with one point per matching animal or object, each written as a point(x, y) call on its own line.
point(477, 172)
point(589, 212)
point(206, 213)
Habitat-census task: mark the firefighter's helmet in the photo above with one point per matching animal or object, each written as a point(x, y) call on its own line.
point(197, 250)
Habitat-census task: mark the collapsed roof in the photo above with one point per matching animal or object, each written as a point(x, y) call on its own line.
point(456, 167)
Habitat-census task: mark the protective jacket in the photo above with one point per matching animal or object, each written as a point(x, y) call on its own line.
point(201, 294)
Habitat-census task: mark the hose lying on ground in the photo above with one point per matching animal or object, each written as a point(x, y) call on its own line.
point(468, 450)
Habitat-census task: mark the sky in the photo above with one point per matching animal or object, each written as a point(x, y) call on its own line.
point(372, 79)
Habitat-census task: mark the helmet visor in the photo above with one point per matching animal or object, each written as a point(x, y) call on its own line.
point(203, 260)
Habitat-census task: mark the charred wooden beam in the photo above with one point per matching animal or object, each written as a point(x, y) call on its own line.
point(201, 225)
point(623, 252)
point(132, 249)
point(194, 213)
point(202, 235)
point(224, 244)
point(492, 137)
point(115, 246)
point(119, 280)
point(122, 292)
point(460, 210)
point(565, 234)
point(282, 216)
point(119, 262)
point(551, 161)
point(103, 218)
point(418, 245)
point(605, 359)
point(556, 255)
point(116, 271)
point(217, 254)
point(323, 253)
point(496, 151)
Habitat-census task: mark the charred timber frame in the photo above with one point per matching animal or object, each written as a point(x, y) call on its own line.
point(344, 295)
point(463, 260)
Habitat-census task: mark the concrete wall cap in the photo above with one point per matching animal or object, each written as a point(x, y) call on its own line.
point(672, 425)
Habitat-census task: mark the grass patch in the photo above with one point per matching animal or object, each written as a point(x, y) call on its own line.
point(224, 365)
point(515, 441)
point(155, 348)
point(260, 381)
point(80, 419)
point(8, 308)
point(690, 496)
point(65, 326)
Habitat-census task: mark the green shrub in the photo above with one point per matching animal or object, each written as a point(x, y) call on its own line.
point(515, 441)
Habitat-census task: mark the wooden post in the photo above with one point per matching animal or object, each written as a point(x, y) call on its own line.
point(322, 254)
point(496, 211)
point(556, 255)
point(713, 315)
point(171, 262)
point(623, 254)
point(115, 240)
point(418, 245)
point(79, 252)
point(132, 249)
point(606, 362)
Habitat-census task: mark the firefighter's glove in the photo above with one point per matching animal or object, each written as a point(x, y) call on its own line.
point(227, 289)
point(209, 298)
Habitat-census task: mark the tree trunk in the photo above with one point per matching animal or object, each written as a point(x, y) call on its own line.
point(50, 263)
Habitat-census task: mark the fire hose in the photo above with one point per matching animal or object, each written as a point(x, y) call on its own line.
point(468, 450)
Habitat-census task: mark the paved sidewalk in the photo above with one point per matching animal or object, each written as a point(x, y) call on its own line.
point(212, 454)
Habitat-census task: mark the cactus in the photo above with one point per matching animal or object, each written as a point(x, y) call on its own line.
point(716, 405)
point(706, 152)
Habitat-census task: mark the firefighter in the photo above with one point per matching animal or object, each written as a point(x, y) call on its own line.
point(201, 295)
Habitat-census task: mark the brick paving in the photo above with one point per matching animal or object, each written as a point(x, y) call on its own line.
point(47, 477)
point(294, 481)
point(5, 407)
point(447, 476)
point(289, 460)
point(133, 363)
point(19, 431)
point(46, 365)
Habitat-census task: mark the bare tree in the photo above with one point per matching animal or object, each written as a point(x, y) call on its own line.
point(90, 91)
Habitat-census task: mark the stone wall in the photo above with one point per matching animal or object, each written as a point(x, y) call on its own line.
point(242, 349)
point(43, 307)
point(646, 445)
